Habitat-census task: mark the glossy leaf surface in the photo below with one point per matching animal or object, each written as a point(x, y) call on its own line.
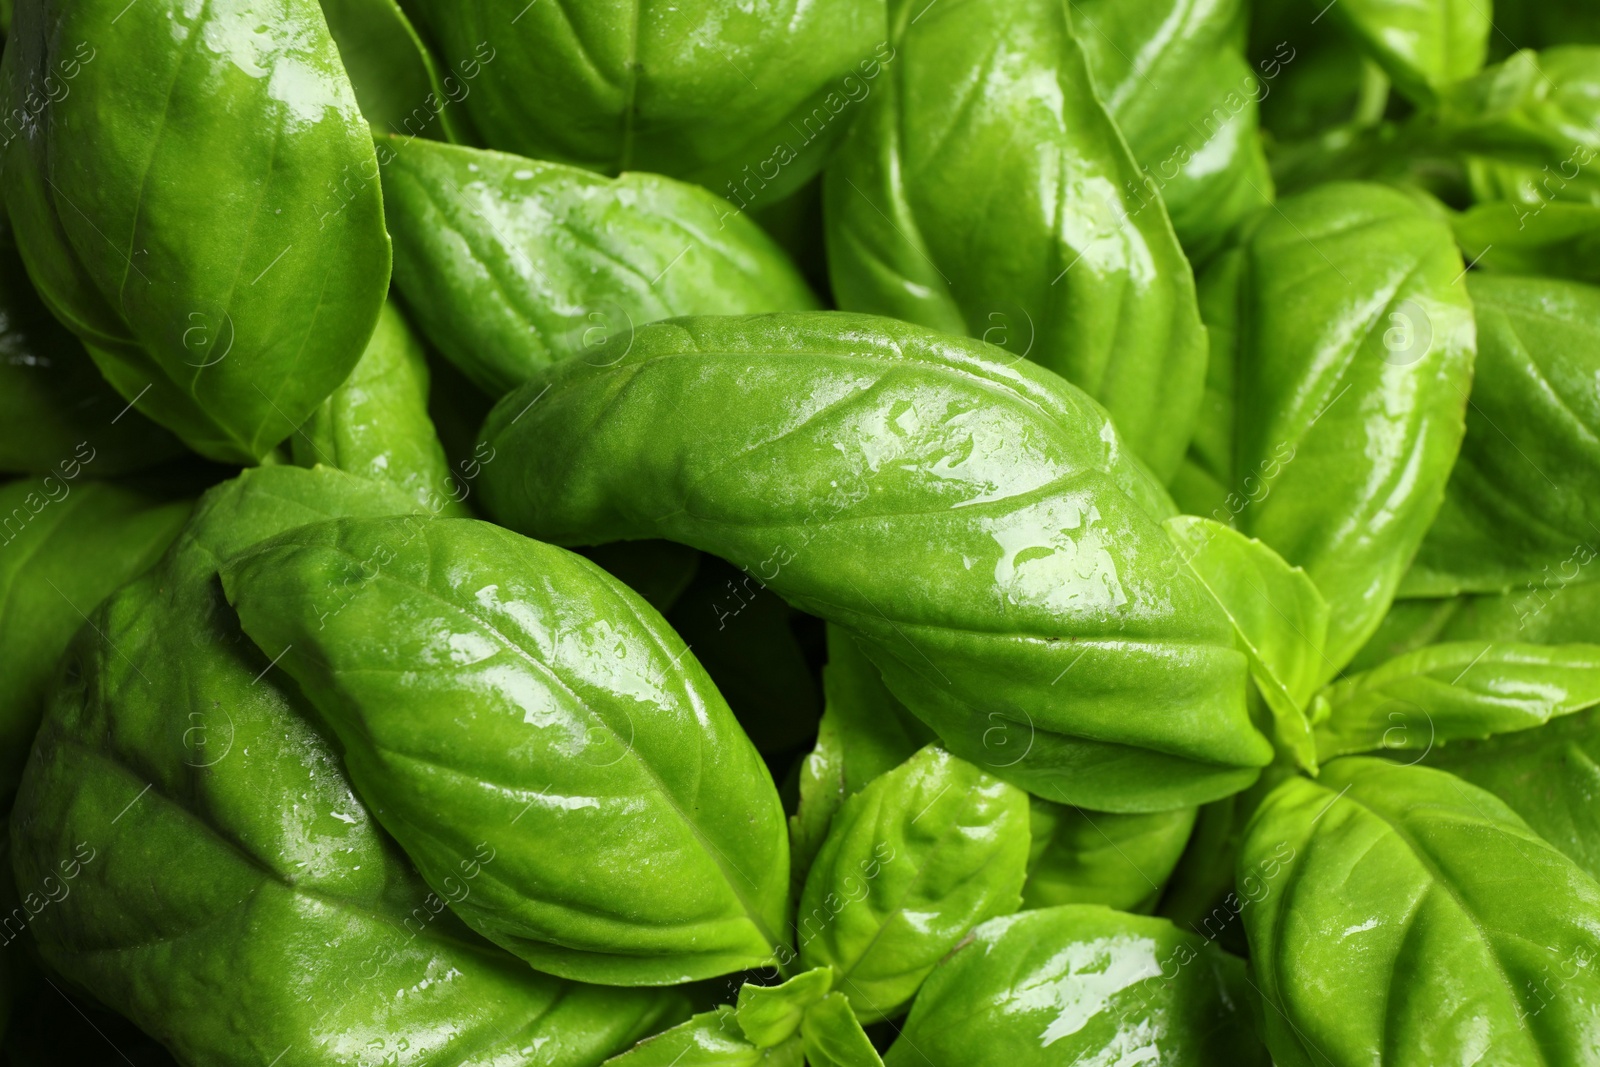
point(1005, 204)
point(814, 450)
point(914, 861)
point(710, 1039)
point(220, 849)
point(1424, 46)
point(1524, 497)
point(770, 1015)
point(201, 208)
point(376, 424)
point(510, 264)
point(396, 80)
point(1080, 984)
point(1457, 690)
point(1354, 360)
point(509, 706)
point(1097, 857)
point(1175, 80)
point(1451, 931)
point(65, 545)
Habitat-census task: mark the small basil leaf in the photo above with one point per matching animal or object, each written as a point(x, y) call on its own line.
point(507, 705)
point(1548, 776)
point(214, 848)
point(1097, 857)
point(65, 545)
point(1279, 619)
point(747, 101)
point(510, 264)
point(1424, 45)
point(1558, 240)
point(770, 1015)
point(1432, 908)
point(1459, 690)
point(1355, 363)
point(864, 732)
point(1080, 984)
point(376, 423)
point(914, 861)
point(1175, 80)
point(396, 79)
point(857, 441)
point(218, 242)
point(711, 1039)
point(1524, 497)
point(833, 1036)
point(1005, 204)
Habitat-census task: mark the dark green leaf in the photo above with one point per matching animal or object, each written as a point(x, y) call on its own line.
point(1097, 857)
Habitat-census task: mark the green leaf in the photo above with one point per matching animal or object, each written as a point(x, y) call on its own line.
point(830, 455)
point(219, 849)
point(1459, 690)
point(1354, 364)
point(396, 80)
point(1005, 204)
point(711, 1039)
point(1175, 80)
point(1562, 608)
point(864, 732)
point(770, 1015)
point(376, 423)
point(915, 860)
point(1556, 240)
point(747, 101)
point(1201, 486)
point(1080, 984)
point(54, 405)
point(510, 264)
point(1097, 857)
point(217, 240)
point(65, 545)
point(834, 1038)
point(1279, 619)
point(1424, 45)
point(509, 706)
point(1522, 500)
point(1451, 931)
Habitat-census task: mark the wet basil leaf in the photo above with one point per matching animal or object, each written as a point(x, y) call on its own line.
point(1005, 204)
point(711, 1039)
point(855, 441)
point(202, 207)
point(214, 848)
point(1080, 984)
point(508, 706)
point(1452, 932)
point(915, 860)
point(1097, 857)
point(833, 1036)
point(510, 264)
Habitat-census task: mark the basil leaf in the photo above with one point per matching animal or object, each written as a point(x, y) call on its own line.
point(376, 423)
point(1006, 205)
point(1521, 499)
point(506, 705)
point(914, 861)
point(747, 101)
point(771, 1015)
point(1560, 240)
point(1354, 362)
point(64, 547)
point(1203, 482)
point(1415, 895)
point(1279, 619)
point(197, 242)
point(1560, 609)
point(1175, 80)
point(711, 1039)
point(1097, 857)
point(1080, 984)
point(1464, 689)
point(856, 442)
point(1424, 45)
point(214, 848)
point(834, 1038)
point(510, 264)
point(396, 80)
